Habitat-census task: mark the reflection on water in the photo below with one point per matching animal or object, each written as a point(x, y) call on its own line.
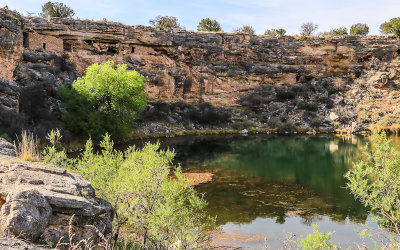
point(276, 178)
point(267, 185)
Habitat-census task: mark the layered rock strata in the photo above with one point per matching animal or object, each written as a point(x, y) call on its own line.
point(320, 82)
point(46, 204)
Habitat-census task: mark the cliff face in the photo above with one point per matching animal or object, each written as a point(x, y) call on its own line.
point(325, 80)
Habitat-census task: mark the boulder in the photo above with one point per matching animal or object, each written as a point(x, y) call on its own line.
point(18, 244)
point(379, 80)
point(43, 203)
point(25, 214)
point(6, 148)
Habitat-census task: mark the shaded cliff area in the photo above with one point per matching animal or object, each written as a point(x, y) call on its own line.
point(201, 80)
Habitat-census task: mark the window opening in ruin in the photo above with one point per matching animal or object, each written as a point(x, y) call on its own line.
point(133, 50)
point(112, 50)
point(44, 46)
point(67, 46)
point(25, 39)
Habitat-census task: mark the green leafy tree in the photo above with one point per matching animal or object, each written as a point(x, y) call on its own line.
point(166, 22)
point(391, 28)
point(208, 24)
point(155, 210)
point(359, 29)
point(338, 31)
point(375, 181)
point(106, 99)
point(275, 32)
point(317, 240)
point(309, 28)
point(56, 9)
point(247, 29)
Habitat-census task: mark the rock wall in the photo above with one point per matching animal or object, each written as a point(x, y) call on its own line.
point(42, 203)
point(281, 78)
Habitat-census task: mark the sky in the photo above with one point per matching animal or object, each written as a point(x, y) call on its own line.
point(231, 14)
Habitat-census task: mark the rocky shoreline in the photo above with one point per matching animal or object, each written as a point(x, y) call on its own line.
point(43, 204)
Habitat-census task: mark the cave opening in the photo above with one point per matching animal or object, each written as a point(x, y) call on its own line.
point(112, 50)
point(25, 40)
point(67, 46)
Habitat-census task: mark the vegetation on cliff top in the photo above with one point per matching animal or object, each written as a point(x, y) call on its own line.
point(359, 29)
point(247, 29)
point(56, 9)
point(166, 22)
point(208, 24)
point(391, 27)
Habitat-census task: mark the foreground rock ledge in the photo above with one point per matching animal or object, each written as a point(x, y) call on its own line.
point(38, 200)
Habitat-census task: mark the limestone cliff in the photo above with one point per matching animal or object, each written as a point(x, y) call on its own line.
point(319, 82)
point(46, 204)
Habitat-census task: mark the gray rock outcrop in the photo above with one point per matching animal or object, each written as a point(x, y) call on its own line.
point(6, 148)
point(41, 203)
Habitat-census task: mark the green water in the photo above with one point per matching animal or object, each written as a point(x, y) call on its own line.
point(272, 185)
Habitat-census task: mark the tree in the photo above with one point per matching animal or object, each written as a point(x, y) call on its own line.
point(56, 9)
point(275, 32)
point(391, 28)
point(208, 24)
point(359, 29)
point(106, 99)
point(166, 22)
point(338, 31)
point(155, 209)
point(307, 29)
point(245, 29)
point(375, 181)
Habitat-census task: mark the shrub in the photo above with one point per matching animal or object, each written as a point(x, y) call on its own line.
point(375, 181)
point(166, 22)
point(307, 29)
point(56, 9)
point(27, 148)
point(311, 106)
point(317, 240)
point(338, 31)
point(154, 209)
point(316, 122)
point(6, 137)
point(274, 122)
point(391, 28)
point(275, 32)
point(359, 29)
point(284, 94)
point(208, 114)
point(106, 99)
point(240, 125)
point(302, 37)
point(287, 127)
point(247, 29)
point(208, 24)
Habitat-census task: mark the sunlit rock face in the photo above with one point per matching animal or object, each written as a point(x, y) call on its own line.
point(282, 78)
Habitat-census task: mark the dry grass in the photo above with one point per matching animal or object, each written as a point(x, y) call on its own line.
point(27, 148)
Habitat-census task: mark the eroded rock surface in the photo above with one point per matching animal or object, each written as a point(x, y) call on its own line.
point(6, 148)
point(267, 81)
point(40, 200)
